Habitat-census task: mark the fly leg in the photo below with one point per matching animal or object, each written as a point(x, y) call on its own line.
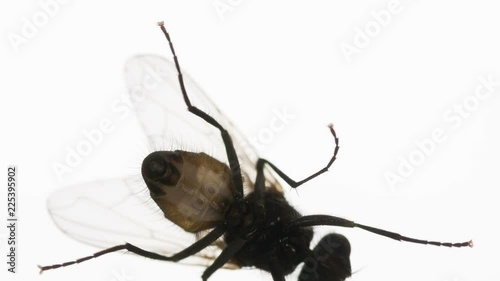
point(234, 164)
point(260, 181)
point(228, 252)
point(260, 184)
point(313, 220)
point(197, 246)
point(276, 270)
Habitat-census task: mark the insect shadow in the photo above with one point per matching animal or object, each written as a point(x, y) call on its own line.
point(236, 212)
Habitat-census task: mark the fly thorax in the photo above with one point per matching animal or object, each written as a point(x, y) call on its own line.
point(242, 219)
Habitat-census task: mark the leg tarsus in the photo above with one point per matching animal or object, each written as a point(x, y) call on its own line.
point(291, 182)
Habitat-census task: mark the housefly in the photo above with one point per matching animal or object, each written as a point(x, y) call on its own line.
point(233, 209)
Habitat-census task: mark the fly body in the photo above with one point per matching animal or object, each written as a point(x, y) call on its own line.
point(231, 207)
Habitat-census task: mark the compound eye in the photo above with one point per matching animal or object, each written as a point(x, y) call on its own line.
point(158, 168)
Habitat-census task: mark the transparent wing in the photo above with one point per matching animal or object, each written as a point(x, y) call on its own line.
point(111, 212)
point(154, 90)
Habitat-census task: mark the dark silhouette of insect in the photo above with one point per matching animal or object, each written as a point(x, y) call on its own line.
point(206, 197)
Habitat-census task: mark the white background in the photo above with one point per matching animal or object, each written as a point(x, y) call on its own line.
point(261, 57)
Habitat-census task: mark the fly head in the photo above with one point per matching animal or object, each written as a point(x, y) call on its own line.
point(193, 190)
